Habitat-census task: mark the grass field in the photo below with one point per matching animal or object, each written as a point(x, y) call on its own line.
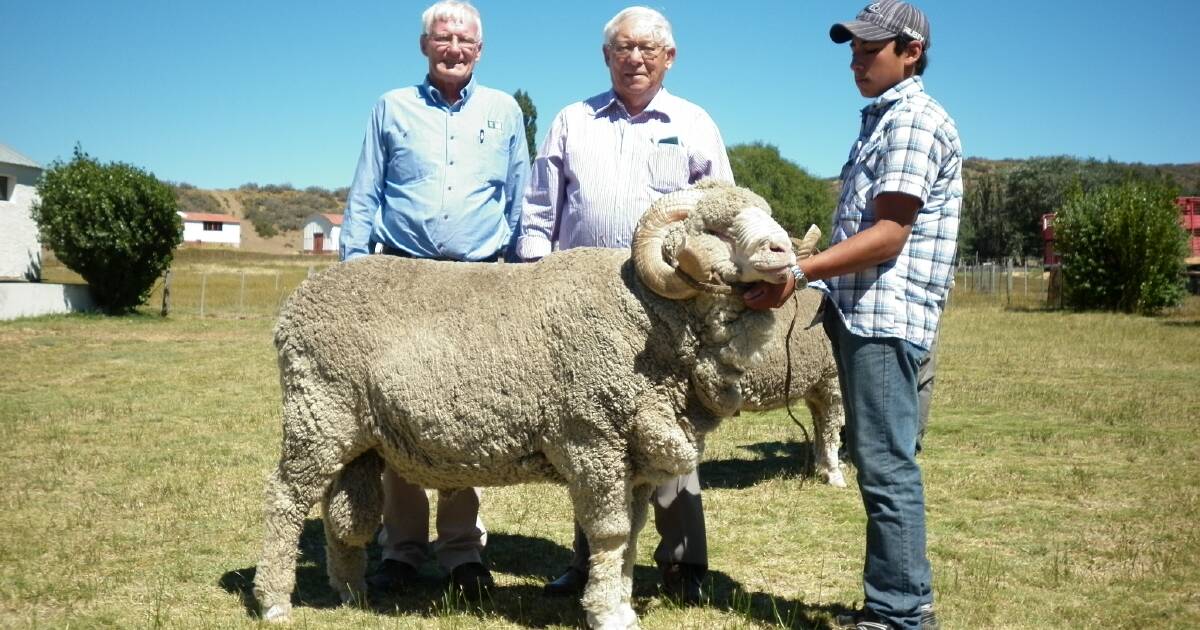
point(1062, 467)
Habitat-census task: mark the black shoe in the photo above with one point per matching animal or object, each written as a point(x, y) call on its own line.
point(472, 579)
point(682, 583)
point(570, 583)
point(392, 576)
point(866, 620)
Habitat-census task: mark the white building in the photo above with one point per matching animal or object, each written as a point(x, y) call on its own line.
point(20, 250)
point(22, 294)
point(220, 229)
point(322, 233)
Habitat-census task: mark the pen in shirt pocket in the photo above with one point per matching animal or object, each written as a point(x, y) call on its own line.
point(669, 140)
point(480, 136)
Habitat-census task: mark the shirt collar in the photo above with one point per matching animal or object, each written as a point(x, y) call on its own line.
point(607, 101)
point(902, 90)
point(435, 95)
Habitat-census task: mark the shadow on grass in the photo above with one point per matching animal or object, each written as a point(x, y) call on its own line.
point(526, 557)
point(774, 460)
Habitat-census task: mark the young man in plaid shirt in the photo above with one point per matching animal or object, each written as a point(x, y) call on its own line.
point(886, 277)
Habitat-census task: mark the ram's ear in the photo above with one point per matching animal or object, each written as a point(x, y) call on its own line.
point(807, 246)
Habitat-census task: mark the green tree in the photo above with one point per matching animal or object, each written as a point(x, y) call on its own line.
point(529, 113)
point(1122, 247)
point(987, 228)
point(1040, 186)
point(114, 224)
point(797, 199)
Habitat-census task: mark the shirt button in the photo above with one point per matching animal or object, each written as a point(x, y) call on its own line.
point(451, 137)
point(451, 162)
point(445, 217)
point(449, 188)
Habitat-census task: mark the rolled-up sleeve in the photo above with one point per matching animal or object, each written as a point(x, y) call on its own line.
point(545, 196)
point(366, 191)
point(709, 159)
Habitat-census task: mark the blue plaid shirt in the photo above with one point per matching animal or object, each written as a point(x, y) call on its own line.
point(907, 144)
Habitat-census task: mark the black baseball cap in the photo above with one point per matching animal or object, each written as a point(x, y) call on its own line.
point(886, 19)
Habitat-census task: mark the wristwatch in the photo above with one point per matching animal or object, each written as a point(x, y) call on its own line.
point(798, 274)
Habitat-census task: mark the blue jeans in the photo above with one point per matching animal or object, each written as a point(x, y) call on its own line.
point(879, 391)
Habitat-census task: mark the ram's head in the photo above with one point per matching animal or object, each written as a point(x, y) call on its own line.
point(708, 238)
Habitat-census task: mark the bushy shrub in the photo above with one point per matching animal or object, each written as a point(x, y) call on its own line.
point(1122, 247)
point(114, 224)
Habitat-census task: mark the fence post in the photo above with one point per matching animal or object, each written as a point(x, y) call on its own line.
point(203, 288)
point(242, 295)
point(1008, 272)
point(166, 302)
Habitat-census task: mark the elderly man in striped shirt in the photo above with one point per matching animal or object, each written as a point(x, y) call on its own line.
point(604, 161)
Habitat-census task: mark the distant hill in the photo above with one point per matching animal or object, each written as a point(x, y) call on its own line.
point(274, 214)
point(1186, 176)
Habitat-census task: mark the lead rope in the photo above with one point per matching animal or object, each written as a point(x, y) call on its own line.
point(787, 378)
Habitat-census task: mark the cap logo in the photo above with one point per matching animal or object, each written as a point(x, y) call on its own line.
point(873, 8)
point(913, 34)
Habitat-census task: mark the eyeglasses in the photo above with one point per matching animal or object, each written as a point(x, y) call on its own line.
point(623, 50)
point(444, 40)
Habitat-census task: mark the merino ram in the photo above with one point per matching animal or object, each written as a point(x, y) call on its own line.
point(590, 368)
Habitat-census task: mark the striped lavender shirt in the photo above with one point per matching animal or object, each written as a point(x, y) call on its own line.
point(599, 169)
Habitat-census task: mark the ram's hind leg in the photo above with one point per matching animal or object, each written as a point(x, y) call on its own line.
point(825, 404)
point(351, 510)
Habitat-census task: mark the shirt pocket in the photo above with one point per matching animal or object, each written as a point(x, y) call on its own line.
point(669, 168)
point(491, 161)
point(406, 163)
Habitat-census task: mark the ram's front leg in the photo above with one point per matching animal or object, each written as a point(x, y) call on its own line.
point(603, 511)
point(638, 508)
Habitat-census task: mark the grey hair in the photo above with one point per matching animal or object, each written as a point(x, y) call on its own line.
point(451, 11)
point(644, 21)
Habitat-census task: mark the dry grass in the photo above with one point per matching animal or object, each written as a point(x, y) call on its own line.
point(1062, 477)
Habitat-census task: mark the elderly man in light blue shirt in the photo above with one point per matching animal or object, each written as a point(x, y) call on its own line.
point(441, 176)
point(604, 161)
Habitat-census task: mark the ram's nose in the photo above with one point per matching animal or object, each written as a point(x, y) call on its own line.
point(781, 249)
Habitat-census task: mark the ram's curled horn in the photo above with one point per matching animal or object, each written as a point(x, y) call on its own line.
point(655, 272)
point(807, 246)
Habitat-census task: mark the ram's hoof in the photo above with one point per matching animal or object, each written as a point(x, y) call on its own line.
point(834, 478)
point(279, 613)
point(622, 619)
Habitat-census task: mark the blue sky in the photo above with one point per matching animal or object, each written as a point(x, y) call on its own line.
point(221, 93)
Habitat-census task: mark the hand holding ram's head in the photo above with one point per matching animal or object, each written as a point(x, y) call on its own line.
point(708, 238)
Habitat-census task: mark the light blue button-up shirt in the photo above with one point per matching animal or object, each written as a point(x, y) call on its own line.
point(437, 180)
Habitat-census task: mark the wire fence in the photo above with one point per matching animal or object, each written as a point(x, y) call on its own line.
point(1008, 284)
point(227, 294)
